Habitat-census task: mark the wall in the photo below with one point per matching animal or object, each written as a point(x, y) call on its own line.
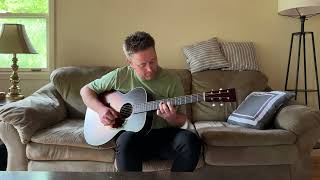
point(91, 32)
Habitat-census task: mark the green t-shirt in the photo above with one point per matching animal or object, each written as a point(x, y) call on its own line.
point(124, 79)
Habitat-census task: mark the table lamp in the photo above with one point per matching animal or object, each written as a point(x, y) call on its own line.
point(303, 10)
point(14, 40)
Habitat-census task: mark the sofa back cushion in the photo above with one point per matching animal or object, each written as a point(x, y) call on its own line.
point(69, 80)
point(244, 82)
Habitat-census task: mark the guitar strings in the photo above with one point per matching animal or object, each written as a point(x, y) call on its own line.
point(128, 111)
point(144, 106)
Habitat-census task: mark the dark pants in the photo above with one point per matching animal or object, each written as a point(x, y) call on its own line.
point(179, 145)
point(3, 157)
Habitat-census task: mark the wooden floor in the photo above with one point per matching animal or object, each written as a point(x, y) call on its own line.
point(316, 164)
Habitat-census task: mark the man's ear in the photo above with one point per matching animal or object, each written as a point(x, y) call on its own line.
point(129, 62)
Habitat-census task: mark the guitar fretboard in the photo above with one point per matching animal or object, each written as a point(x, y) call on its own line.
point(154, 105)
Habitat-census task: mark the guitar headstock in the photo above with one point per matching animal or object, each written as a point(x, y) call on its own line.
point(222, 95)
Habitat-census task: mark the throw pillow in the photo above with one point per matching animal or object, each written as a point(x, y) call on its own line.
point(257, 110)
point(205, 55)
point(240, 55)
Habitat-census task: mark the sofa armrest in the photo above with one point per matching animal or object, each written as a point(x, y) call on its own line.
point(17, 158)
point(303, 121)
point(42, 109)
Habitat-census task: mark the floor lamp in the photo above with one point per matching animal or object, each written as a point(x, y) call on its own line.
point(303, 10)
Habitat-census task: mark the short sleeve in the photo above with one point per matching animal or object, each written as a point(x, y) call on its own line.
point(178, 91)
point(105, 83)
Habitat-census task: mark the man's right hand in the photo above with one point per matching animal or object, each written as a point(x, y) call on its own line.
point(108, 116)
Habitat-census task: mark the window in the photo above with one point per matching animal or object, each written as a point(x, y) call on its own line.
point(34, 15)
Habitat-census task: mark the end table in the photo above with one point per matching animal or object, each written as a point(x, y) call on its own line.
point(3, 101)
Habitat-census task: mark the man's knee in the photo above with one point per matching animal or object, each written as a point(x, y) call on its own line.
point(126, 140)
point(188, 147)
point(188, 140)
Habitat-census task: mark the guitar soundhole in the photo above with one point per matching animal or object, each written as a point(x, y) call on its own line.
point(125, 112)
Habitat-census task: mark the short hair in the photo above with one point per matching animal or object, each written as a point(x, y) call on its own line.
point(138, 41)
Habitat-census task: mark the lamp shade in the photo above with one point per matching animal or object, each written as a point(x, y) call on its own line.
point(14, 40)
point(297, 8)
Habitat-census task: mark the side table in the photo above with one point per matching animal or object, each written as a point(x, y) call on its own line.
point(4, 101)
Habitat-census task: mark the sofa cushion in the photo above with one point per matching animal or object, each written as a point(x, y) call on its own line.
point(215, 133)
point(69, 80)
point(46, 152)
point(258, 109)
point(205, 55)
point(244, 82)
point(68, 133)
point(71, 166)
point(254, 155)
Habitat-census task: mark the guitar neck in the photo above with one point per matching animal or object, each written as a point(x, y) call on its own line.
point(182, 100)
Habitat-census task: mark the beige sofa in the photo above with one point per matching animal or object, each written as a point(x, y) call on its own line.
point(44, 132)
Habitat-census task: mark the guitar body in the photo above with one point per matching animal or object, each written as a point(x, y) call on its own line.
point(96, 133)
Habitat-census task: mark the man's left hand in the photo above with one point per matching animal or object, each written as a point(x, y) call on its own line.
point(167, 112)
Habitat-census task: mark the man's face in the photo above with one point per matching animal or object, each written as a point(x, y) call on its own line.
point(144, 63)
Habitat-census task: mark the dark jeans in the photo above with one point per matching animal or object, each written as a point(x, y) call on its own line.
point(3, 157)
point(179, 145)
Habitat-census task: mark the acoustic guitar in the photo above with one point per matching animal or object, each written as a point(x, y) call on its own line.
point(133, 107)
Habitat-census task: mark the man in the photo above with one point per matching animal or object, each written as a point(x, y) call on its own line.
point(166, 140)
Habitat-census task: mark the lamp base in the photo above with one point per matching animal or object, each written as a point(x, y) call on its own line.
point(14, 97)
point(302, 45)
point(14, 91)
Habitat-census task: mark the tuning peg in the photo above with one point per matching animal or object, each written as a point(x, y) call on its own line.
point(221, 104)
point(213, 105)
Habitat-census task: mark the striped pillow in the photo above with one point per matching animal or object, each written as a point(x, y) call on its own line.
point(240, 55)
point(205, 55)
